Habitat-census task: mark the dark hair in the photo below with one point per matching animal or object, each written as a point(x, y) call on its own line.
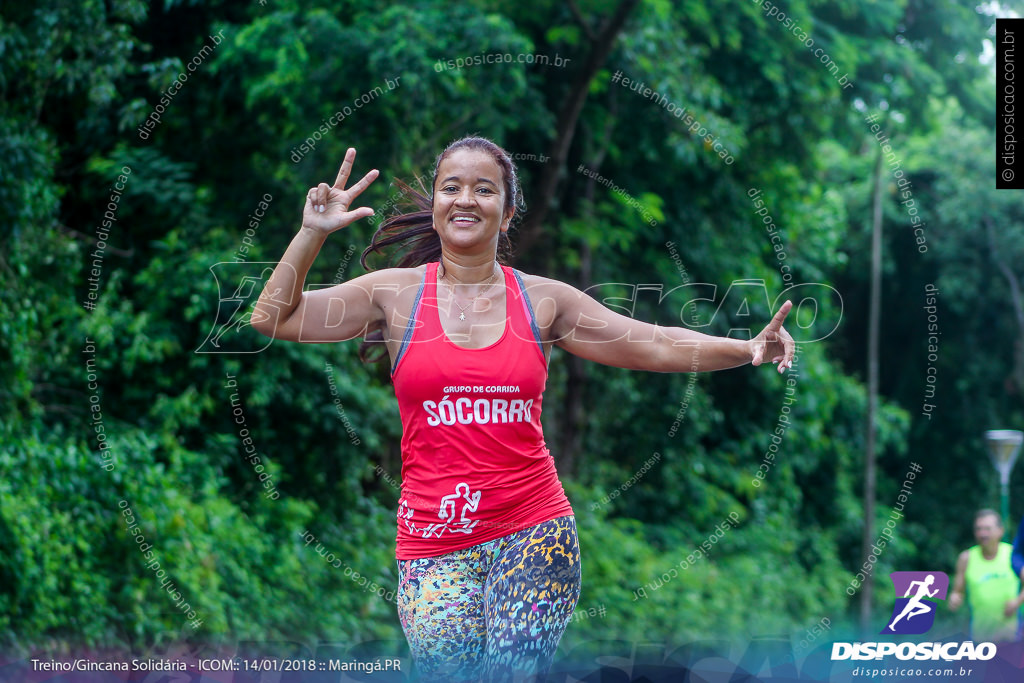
point(988, 512)
point(408, 239)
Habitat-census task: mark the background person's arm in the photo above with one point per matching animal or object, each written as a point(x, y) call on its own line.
point(1017, 557)
point(956, 597)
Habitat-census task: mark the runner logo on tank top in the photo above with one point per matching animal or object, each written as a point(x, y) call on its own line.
point(469, 502)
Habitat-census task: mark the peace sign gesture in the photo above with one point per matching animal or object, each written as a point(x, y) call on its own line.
point(327, 206)
point(774, 342)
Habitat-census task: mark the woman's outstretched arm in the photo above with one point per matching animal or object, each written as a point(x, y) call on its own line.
point(582, 326)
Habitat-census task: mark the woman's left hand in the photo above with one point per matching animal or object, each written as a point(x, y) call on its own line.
point(774, 342)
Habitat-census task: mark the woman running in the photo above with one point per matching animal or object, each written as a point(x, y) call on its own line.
point(488, 561)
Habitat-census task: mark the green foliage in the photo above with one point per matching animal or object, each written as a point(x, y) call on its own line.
point(67, 522)
point(260, 116)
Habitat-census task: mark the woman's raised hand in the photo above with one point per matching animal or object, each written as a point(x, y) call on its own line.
point(327, 206)
point(774, 342)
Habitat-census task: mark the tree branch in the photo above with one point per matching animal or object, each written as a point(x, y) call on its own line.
point(82, 237)
point(591, 36)
point(568, 116)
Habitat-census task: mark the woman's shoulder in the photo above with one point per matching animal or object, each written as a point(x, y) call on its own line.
point(388, 286)
point(545, 285)
point(397, 276)
point(415, 272)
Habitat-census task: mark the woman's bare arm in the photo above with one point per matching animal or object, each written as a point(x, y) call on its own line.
point(583, 327)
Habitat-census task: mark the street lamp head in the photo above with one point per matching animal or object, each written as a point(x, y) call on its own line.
point(1003, 449)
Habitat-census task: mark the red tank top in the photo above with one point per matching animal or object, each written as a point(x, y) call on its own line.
point(474, 463)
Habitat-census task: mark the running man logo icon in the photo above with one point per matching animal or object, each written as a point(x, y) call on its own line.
point(917, 594)
point(239, 286)
point(446, 513)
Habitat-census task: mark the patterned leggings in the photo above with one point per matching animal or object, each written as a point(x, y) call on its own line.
point(495, 611)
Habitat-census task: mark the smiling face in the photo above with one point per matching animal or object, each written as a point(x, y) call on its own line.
point(470, 201)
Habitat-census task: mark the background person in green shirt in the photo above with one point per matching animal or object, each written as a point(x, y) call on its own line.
point(993, 589)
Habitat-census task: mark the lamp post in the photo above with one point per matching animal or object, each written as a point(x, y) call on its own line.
point(1003, 449)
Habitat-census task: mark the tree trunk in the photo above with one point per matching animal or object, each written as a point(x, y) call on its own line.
point(568, 116)
point(874, 313)
point(574, 424)
point(1016, 301)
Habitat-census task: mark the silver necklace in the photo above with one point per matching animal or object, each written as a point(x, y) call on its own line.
point(462, 309)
